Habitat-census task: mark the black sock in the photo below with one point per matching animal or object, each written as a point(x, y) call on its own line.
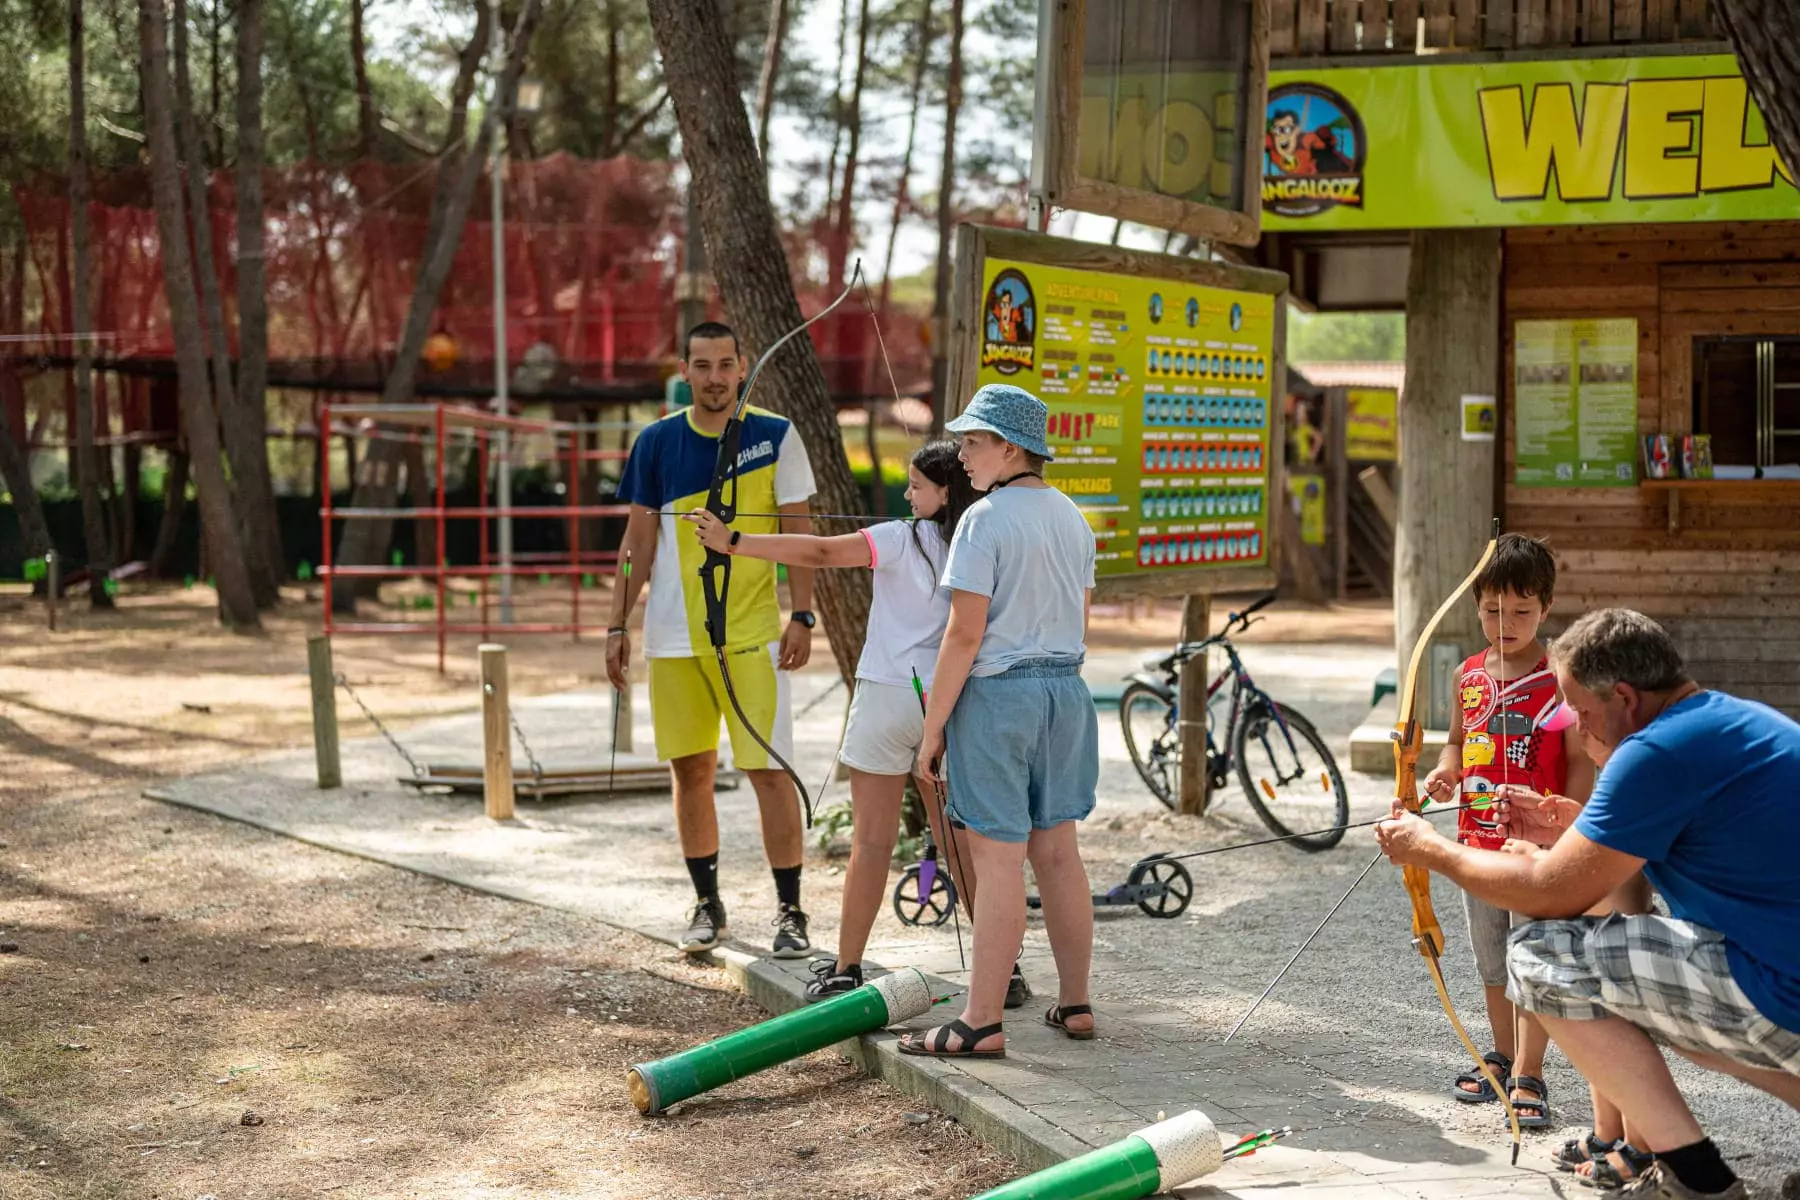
point(705, 874)
point(787, 885)
point(1699, 1167)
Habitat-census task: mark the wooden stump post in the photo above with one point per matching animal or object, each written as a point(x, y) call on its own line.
point(324, 711)
point(1196, 779)
point(1447, 493)
point(496, 734)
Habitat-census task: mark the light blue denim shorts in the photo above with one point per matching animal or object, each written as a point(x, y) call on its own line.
point(1023, 749)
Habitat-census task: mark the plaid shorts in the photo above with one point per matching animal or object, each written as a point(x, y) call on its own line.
point(1669, 978)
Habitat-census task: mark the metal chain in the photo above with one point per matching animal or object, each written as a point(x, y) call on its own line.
point(537, 768)
point(417, 770)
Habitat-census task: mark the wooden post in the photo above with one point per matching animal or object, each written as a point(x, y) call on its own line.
point(52, 585)
point(1196, 778)
point(1447, 490)
point(1337, 490)
point(324, 711)
point(496, 734)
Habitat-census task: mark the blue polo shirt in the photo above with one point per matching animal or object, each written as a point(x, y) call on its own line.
point(1708, 795)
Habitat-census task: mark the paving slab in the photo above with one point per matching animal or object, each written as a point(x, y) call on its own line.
point(1352, 1050)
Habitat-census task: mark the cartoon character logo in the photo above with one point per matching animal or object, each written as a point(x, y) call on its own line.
point(1156, 308)
point(1479, 697)
point(1478, 794)
point(1478, 751)
point(1313, 152)
point(1009, 327)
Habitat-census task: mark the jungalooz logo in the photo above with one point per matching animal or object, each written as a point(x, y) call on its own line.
point(1009, 324)
point(1313, 152)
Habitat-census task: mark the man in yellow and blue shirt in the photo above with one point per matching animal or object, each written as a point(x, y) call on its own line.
point(670, 471)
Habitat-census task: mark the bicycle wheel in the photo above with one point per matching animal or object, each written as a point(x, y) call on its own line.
point(1290, 777)
point(1148, 720)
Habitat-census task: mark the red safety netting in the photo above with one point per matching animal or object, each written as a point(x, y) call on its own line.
point(592, 255)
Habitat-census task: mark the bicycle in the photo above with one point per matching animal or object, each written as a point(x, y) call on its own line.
point(1287, 772)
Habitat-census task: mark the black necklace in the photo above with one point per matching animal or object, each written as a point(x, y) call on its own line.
point(1016, 478)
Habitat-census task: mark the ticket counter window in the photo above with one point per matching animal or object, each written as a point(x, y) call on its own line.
point(1747, 397)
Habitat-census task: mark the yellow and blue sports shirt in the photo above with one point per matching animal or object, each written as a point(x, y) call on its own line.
point(670, 470)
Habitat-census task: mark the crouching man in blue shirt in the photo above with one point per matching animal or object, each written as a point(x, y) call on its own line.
point(1700, 791)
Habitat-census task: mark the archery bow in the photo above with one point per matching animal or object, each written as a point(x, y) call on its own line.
point(1409, 739)
point(715, 570)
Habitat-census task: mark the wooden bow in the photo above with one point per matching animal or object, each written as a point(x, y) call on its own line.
point(1409, 740)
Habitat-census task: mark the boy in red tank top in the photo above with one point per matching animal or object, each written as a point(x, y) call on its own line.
point(1497, 738)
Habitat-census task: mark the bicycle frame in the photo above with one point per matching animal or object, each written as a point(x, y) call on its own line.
point(1245, 695)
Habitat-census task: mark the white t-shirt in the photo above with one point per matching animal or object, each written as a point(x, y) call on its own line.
point(908, 611)
point(1031, 552)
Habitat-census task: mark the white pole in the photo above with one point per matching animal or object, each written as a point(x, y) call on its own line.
point(503, 443)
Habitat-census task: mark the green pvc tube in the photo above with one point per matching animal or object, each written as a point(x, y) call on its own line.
point(1160, 1158)
point(1125, 1170)
point(656, 1086)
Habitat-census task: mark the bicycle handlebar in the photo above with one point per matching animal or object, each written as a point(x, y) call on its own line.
point(1261, 603)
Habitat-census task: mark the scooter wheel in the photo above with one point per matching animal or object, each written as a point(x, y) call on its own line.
point(1177, 886)
point(933, 908)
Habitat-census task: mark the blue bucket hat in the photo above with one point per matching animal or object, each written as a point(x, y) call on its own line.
point(1008, 412)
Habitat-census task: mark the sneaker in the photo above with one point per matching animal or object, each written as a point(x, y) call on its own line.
point(790, 933)
point(706, 926)
point(1018, 992)
point(828, 981)
point(1659, 1183)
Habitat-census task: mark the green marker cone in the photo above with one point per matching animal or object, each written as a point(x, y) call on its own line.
point(655, 1086)
point(587, 579)
point(543, 579)
point(35, 570)
point(210, 583)
point(1160, 1158)
point(110, 587)
point(305, 572)
point(188, 581)
point(396, 559)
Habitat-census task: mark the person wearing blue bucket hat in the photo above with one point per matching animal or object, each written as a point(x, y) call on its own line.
point(1010, 718)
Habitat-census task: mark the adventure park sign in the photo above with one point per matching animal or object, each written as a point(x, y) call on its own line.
point(1575, 141)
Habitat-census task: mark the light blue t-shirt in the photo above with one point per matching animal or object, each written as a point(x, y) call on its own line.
point(1708, 795)
point(1031, 552)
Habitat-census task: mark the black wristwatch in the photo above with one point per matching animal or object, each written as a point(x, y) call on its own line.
point(804, 617)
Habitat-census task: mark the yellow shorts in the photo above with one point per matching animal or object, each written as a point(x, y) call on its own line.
point(687, 698)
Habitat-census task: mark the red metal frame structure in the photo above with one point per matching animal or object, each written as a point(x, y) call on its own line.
point(438, 427)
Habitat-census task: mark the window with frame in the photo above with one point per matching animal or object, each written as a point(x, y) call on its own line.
point(1747, 399)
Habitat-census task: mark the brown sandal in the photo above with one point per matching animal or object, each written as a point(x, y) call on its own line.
point(1058, 1015)
point(935, 1043)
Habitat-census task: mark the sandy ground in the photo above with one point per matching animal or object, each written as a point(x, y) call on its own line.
point(190, 1007)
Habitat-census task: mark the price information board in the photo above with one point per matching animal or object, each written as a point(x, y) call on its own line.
point(1159, 393)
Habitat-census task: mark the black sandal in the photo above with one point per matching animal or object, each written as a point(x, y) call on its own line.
point(1591, 1148)
point(1057, 1019)
point(1532, 1114)
point(1607, 1178)
point(1502, 1068)
point(935, 1043)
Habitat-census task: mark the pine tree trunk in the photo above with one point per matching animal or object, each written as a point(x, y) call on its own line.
point(744, 249)
point(237, 601)
point(846, 210)
point(250, 403)
point(366, 542)
point(942, 404)
point(837, 125)
point(87, 457)
point(244, 435)
point(15, 473)
point(1766, 35)
point(903, 188)
point(359, 74)
point(168, 529)
point(771, 73)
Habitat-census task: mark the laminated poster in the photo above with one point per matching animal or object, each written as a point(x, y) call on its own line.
point(1575, 403)
point(1159, 398)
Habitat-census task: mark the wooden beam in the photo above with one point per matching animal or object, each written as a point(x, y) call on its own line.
point(1498, 33)
point(1312, 26)
point(496, 734)
point(1343, 15)
point(323, 678)
point(1196, 779)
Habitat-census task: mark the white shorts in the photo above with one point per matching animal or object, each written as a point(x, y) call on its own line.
point(885, 728)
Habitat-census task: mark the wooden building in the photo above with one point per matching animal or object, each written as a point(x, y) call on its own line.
point(1515, 172)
